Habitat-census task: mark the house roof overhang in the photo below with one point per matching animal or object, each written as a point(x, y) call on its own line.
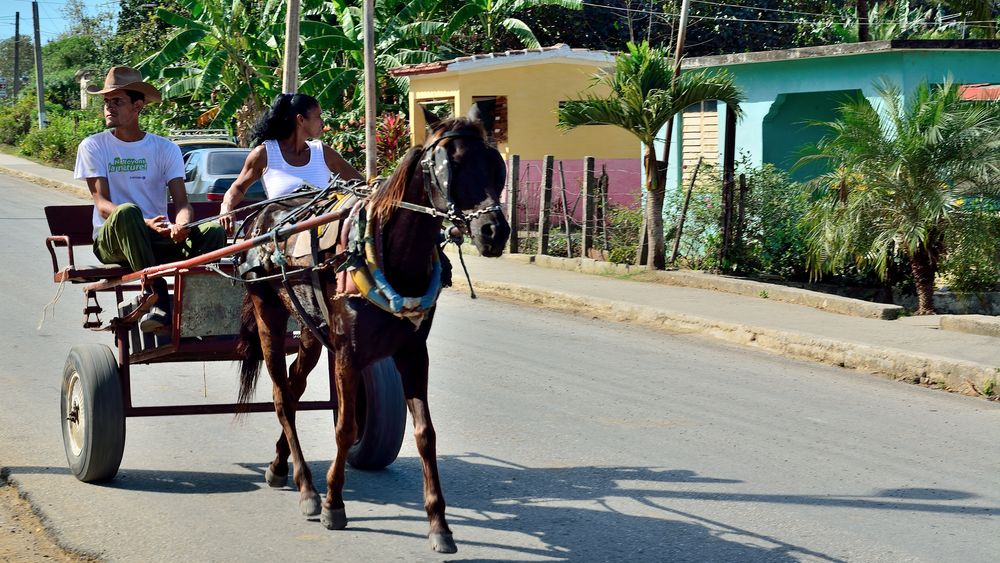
point(560, 53)
point(841, 50)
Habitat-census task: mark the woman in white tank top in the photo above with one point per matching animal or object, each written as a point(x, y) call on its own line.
point(287, 153)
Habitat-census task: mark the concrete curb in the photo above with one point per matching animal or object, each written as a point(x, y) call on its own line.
point(983, 325)
point(739, 286)
point(43, 181)
point(968, 378)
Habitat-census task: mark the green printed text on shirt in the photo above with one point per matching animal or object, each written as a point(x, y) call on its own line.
point(127, 165)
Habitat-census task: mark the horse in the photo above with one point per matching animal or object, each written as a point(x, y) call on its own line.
point(455, 174)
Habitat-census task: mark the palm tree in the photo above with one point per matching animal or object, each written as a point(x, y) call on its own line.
point(642, 97)
point(903, 180)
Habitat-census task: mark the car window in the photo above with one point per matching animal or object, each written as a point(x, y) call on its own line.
point(190, 165)
point(226, 163)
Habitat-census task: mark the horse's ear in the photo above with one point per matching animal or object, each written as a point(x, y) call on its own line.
point(482, 112)
point(430, 118)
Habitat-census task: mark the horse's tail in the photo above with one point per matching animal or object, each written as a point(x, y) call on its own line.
point(248, 347)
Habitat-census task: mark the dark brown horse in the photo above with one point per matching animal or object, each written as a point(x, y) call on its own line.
point(456, 174)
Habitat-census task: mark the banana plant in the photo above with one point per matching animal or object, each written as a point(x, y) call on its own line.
point(228, 54)
point(494, 17)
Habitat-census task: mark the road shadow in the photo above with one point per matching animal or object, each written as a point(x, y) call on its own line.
point(564, 513)
point(570, 513)
point(157, 481)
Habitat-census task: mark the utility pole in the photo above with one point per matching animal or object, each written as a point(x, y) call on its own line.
point(678, 53)
point(17, 54)
point(290, 74)
point(39, 87)
point(371, 151)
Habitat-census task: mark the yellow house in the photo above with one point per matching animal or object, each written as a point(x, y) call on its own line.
point(527, 87)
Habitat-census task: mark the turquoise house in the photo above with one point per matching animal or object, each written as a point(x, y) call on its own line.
point(787, 89)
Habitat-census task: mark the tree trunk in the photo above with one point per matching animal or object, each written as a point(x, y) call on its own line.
point(863, 34)
point(923, 276)
point(656, 257)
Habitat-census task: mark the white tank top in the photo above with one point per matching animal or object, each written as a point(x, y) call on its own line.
point(281, 178)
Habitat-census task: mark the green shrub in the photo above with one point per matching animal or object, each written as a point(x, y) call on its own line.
point(57, 143)
point(16, 120)
point(699, 237)
point(773, 239)
point(623, 233)
point(971, 263)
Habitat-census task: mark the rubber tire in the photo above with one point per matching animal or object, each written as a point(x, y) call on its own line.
point(381, 418)
point(100, 440)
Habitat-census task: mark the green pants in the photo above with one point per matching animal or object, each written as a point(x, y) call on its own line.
point(124, 238)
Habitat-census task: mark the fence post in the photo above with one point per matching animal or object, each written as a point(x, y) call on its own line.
point(683, 215)
point(565, 206)
point(741, 211)
point(602, 211)
point(513, 179)
point(587, 242)
point(544, 202)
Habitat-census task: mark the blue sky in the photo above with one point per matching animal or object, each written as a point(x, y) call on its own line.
point(51, 21)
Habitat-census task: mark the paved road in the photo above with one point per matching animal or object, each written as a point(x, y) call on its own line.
point(560, 438)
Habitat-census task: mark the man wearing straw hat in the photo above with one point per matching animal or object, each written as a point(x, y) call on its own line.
point(129, 173)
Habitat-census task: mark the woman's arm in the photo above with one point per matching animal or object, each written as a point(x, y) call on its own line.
point(338, 165)
point(253, 169)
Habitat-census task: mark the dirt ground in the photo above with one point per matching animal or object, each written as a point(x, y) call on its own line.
point(23, 538)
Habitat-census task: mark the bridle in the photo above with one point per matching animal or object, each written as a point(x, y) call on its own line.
point(436, 168)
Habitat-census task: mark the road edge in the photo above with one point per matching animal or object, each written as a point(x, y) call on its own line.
point(967, 378)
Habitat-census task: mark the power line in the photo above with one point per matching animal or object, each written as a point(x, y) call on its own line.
point(761, 9)
point(826, 18)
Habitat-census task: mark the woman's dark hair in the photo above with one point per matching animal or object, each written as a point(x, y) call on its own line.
point(278, 121)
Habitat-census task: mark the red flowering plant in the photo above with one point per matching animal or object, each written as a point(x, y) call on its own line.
point(392, 139)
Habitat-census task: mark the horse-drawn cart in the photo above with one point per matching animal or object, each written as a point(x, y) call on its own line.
point(96, 387)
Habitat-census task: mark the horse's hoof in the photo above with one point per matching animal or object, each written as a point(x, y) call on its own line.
point(442, 543)
point(334, 519)
point(275, 480)
point(309, 505)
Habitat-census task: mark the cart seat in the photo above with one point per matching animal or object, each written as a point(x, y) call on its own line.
point(71, 226)
point(80, 274)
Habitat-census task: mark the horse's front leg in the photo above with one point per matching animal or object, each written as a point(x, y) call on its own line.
point(347, 378)
point(412, 363)
point(305, 360)
point(272, 321)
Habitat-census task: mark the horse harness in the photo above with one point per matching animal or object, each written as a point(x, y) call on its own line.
point(358, 261)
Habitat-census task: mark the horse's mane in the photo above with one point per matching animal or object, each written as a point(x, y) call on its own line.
point(385, 200)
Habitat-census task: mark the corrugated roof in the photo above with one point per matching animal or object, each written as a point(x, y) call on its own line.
point(560, 50)
point(990, 92)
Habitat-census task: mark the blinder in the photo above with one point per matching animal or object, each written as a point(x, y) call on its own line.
point(437, 171)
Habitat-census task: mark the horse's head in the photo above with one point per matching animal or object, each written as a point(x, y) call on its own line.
point(465, 176)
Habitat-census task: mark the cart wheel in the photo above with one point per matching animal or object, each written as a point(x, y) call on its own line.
point(93, 413)
point(381, 416)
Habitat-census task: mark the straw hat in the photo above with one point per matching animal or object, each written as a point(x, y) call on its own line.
point(126, 78)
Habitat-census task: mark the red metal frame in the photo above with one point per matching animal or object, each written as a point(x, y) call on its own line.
point(188, 349)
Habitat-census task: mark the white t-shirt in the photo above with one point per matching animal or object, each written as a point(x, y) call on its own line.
point(137, 172)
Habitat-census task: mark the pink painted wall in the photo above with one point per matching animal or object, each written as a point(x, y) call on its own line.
point(624, 187)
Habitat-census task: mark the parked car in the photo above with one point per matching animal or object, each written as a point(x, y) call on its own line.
point(193, 139)
point(208, 173)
